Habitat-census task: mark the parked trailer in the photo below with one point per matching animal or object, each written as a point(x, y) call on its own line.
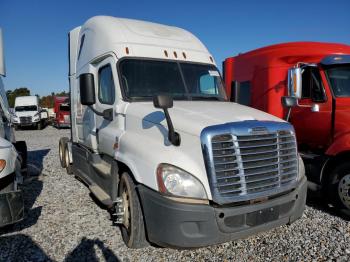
point(307, 83)
point(13, 157)
point(157, 143)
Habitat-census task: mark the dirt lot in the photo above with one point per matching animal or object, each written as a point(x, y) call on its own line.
point(64, 223)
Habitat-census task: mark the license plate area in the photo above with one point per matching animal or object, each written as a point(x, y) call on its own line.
point(262, 216)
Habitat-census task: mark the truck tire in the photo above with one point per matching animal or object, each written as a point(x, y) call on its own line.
point(21, 148)
point(133, 228)
point(61, 150)
point(66, 160)
point(39, 126)
point(339, 186)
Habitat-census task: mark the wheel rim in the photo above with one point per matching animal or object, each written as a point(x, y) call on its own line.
point(126, 205)
point(60, 153)
point(344, 190)
point(66, 159)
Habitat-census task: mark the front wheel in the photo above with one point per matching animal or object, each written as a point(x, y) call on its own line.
point(339, 186)
point(39, 126)
point(67, 162)
point(133, 228)
point(61, 150)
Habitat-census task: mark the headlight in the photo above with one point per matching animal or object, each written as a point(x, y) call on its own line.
point(35, 117)
point(301, 168)
point(2, 164)
point(177, 182)
point(15, 119)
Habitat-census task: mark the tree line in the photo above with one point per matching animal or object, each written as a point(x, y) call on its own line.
point(44, 101)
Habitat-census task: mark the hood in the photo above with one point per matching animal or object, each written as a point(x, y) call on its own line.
point(26, 113)
point(193, 116)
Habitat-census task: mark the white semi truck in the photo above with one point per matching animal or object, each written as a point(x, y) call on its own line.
point(156, 141)
point(13, 157)
point(27, 112)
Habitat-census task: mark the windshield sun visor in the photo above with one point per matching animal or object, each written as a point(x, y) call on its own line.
point(336, 60)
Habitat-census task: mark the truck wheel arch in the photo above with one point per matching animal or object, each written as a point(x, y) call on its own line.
point(331, 164)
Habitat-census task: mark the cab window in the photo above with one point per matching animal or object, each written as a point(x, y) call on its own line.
point(106, 90)
point(312, 86)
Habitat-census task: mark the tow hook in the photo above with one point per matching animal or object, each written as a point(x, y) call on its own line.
point(117, 211)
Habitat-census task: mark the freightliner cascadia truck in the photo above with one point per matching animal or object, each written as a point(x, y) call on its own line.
point(156, 141)
point(307, 83)
point(13, 157)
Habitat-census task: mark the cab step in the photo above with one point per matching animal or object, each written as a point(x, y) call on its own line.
point(101, 195)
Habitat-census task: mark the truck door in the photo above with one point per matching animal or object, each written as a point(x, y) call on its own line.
point(106, 98)
point(312, 118)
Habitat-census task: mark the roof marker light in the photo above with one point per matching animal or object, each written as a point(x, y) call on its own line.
point(127, 50)
point(211, 59)
point(184, 55)
point(175, 54)
point(165, 53)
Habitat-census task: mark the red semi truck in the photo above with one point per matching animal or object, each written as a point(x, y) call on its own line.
point(62, 111)
point(308, 84)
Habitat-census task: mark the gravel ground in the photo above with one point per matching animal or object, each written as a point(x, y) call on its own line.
point(64, 223)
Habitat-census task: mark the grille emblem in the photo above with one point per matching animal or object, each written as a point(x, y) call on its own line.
point(258, 130)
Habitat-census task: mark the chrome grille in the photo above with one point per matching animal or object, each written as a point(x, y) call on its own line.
point(244, 165)
point(25, 119)
point(254, 163)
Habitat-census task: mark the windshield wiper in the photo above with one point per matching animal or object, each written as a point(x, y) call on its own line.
point(213, 98)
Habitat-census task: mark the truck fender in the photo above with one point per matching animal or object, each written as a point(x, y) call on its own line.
point(339, 145)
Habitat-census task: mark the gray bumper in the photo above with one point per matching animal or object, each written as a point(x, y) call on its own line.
point(11, 207)
point(174, 224)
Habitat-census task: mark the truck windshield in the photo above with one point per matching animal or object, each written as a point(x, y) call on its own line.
point(64, 108)
point(26, 108)
point(339, 79)
point(143, 79)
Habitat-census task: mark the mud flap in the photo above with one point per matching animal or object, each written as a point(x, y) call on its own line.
point(11, 207)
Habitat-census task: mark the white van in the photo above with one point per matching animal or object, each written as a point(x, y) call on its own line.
point(155, 140)
point(29, 113)
point(13, 157)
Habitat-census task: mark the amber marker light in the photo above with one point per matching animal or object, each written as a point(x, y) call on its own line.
point(161, 185)
point(2, 164)
point(165, 53)
point(127, 50)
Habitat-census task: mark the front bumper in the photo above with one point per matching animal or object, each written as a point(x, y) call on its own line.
point(63, 124)
point(11, 207)
point(174, 224)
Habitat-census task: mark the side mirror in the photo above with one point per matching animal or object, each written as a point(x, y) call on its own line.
point(2, 59)
point(289, 101)
point(162, 102)
point(295, 82)
point(165, 102)
point(87, 89)
point(4, 119)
